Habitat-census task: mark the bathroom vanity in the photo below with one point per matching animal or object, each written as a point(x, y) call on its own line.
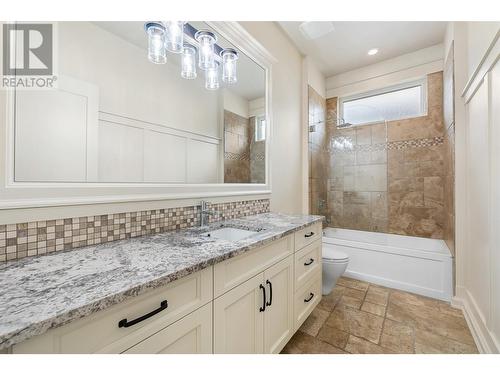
point(199, 290)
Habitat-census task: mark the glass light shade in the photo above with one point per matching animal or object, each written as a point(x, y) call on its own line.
point(174, 36)
point(156, 43)
point(229, 58)
point(212, 77)
point(206, 39)
point(188, 62)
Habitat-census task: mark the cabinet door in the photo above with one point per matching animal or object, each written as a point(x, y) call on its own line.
point(278, 317)
point(190, 335)
point(238, 321)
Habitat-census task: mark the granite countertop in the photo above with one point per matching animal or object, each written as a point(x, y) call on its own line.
point(48, 291)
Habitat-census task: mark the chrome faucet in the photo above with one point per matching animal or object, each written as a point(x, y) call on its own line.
point(205, 212)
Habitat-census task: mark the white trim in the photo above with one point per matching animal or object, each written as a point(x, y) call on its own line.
point(489, 59)
point(32, 195)
point(76, 201)
point(422, 82)
point(483, 338)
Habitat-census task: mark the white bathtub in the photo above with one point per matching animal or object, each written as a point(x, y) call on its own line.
point(418, 265)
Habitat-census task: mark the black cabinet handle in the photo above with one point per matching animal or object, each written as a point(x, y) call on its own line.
point(270, 293)
point(311, 295)
point(263, 308)
point(309, 263)
point(310, 234)
point(124, 323)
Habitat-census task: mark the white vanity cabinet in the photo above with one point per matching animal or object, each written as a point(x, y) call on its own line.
point(251, 303)
point(106, 331)
point(190, 335)
point(256, 316)
point(241, 323)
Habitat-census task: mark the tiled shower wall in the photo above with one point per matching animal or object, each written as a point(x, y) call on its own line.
point(416, 169)
point(19, 240)
point(318, 154)
point(388, 177)
point(244, 158)
point(357, 187)
point(236, 148)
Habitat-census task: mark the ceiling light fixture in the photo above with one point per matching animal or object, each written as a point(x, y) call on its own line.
point(181, 37)
point(373, 51)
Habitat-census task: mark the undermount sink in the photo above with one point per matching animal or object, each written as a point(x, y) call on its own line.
point(230, 234)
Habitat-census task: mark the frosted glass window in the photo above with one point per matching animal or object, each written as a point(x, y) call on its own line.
point(386, 106)
point(260, 129)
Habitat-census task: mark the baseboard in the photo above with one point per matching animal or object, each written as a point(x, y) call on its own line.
point(390, 283)
point(484, 339)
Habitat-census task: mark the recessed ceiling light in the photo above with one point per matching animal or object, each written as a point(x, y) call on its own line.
point(373, 51)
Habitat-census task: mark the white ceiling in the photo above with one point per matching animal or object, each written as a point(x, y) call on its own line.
point(346, 48)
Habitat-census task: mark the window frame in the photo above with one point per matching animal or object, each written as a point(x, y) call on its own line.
point(422, 82)
point(258, 120)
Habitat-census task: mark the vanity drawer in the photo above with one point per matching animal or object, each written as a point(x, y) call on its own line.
point(307, 263)
point(307, 235)
point(234, 271)
point(100, 333)
point(306, 299)
point(189, 335)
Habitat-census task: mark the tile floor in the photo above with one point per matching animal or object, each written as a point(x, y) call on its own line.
point(359, 317)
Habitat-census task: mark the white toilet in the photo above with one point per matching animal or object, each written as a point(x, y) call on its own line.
point(334, 265)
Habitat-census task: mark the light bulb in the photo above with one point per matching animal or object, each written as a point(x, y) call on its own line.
point(212, 77)
point(156, 43)
point(206, 39)
point(229, 58)
point(174, 36)
point(188, 62)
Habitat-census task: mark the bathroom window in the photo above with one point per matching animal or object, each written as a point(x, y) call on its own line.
point(260, 129)
point(392, 103)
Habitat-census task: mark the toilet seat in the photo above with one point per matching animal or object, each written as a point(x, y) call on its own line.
point(334, 256)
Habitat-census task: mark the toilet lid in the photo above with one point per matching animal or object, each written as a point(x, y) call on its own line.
point(331, 254)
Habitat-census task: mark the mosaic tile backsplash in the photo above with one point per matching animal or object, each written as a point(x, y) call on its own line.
point(20, 240)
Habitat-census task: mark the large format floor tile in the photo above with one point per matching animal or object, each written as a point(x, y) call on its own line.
point(359, 317)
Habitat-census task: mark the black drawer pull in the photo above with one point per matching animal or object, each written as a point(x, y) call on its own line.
point(270, 293)
point(311, 295)
point(125, 323)
point(309, 263)
point(310, 234)
point(263, 308)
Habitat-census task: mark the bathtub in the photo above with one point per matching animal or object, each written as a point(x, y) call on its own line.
point(419, 265)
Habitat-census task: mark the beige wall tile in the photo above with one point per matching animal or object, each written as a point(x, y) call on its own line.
point(370, 177)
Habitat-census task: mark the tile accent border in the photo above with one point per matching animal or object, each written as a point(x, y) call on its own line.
point(21, 240)
point(393, 145)
point(415, 143)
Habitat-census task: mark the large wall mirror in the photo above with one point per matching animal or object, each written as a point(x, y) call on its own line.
point(117, 117)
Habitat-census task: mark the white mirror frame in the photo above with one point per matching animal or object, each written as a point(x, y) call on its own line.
point(16, 195)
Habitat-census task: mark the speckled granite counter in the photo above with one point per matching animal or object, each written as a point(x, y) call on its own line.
point(49, 291)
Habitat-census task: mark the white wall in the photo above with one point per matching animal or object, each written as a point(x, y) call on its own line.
point(477, 177)
point(315, 78)
point(286, 145)
point(479, 37)
point(257, 107)
point(386, 73)
point(235, 103)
